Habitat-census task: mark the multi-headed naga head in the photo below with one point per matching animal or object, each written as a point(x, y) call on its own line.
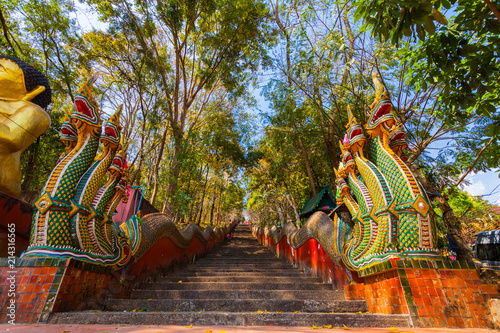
point(342, 186)
point(112, 128)
point(68, 135)
point(347, 160)
point(86, 109)
point(381, 118)
point(122, 185)
point(355, 138)
point(118, 163)
point(397, 140)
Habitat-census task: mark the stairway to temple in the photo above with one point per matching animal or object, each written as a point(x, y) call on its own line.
point(238, 283)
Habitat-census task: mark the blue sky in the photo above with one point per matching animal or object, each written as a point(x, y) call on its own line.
point(484, 183)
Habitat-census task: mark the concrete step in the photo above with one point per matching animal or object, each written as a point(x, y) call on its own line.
point(240, 260)
point(272, 271)
point(238, 294)
point(272, 265)
point(232, 318)
point(235, 286)
point(236, 305)
point(241, 272)
point(223, 278)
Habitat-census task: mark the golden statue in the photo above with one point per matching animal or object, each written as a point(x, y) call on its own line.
point(24, 93)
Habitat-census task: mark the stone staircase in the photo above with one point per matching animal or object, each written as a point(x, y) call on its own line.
point(239, 283)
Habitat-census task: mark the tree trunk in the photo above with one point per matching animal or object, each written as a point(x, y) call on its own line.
point(212, 210)
point(175, 171)
point(305, 156)
point(203, 196)
point(157, 166)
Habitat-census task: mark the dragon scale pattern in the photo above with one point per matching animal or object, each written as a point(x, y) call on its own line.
point(380, 194)
point(412, 224)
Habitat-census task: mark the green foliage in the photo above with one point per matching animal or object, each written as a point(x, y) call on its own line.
point(475, 214)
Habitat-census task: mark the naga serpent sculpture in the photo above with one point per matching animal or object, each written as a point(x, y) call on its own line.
point(390, 213)
point(73, 215)
point(389, 200)
point(62, 214)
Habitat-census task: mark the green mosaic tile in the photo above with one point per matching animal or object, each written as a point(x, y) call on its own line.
point(410, 301)
point(3, 262)
point(424, 264)
point(30, 262)
point(413, 311)
point(439, 264)
point(402, 273)
point(50, 297)
point(400, 264)
point(60, 270)
point(57, 279)
point(39, 262)
point(53, 288)
point(55, 262)
point(47, 308)
point(408, 264)
point(464, 265)
point(407, 291)
point(455, 264)
point(47, 262)
point(404, 282)
point(471, 265)
point(447, 264)
point(44, 317)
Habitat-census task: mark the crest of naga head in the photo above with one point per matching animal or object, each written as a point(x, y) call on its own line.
point(397, 140)
point(122, 186)
point(342, 186)
point(112, 127)
point(354, 137)
point(86, 108)
point(381, 118)
point(68, 133)
point(118, 161)
point(347, 160)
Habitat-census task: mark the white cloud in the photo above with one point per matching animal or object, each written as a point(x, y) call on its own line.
point(476, 188)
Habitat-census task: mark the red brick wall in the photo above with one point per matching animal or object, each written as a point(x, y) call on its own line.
point(447, 297)
point(35, 288)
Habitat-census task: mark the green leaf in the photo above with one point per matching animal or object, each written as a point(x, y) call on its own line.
point(439, 17)
point(420, 32)
point(446, 4)
point(429, 26)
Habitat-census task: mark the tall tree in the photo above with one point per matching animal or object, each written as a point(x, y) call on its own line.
point(192, 48)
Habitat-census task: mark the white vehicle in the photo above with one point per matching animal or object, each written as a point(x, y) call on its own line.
point(486, 249)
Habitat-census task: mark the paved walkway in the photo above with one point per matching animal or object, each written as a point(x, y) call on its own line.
point(39, 328)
